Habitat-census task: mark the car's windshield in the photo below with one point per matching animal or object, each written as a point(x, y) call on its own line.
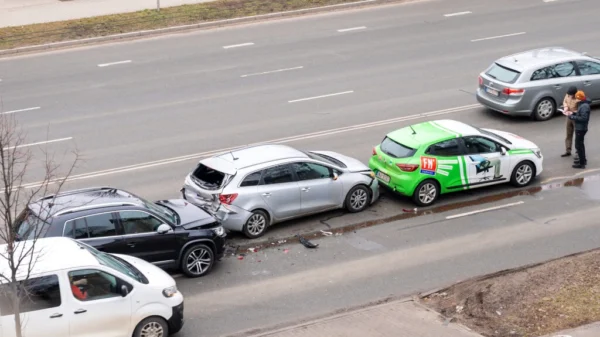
point(28, 226)
point(325, 159)
point(493, 135)
point(162, 210)
point(116, 263)
point(395, 149)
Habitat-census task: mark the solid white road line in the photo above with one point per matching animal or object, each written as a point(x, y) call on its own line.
point(239, 45)
point(290, 139)
point(484, 210)
point(351, 29)
point(113, 63)
point(457, 14)
point(322, 96)
point(38, 143)
point(273, 71)
point(497, 37)
point(20, 110)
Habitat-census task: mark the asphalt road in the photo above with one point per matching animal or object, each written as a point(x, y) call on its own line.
point(142, 113)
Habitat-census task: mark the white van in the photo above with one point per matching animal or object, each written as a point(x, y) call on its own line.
point(75, 290)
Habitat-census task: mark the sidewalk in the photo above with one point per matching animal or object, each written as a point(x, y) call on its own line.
point(394, 319)
point(24, 12)
point(591, 330)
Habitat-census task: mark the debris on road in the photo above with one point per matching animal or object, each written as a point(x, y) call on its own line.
point(530, 301)
point(253, 250)
point(306, 243)
point(285, 251)
point(240, 257)
point(407, 210)
point(325, 233)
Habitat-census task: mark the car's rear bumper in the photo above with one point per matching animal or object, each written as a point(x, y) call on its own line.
point(399, 183)
point(232, 218)
point(510, 107)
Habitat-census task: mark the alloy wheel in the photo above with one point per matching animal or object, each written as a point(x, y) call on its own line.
point(545, 109)
point(358, 199)
point(256, 224)
point(152, 329)
point(198, 261)
point(524, 174)
point(427, 193)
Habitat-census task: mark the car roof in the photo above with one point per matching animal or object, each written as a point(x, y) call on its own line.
point(48, 254)
point(231, 162)
point(426, 133)
point(540, 57)
point(83, 199)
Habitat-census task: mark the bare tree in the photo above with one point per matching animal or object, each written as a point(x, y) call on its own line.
point(18, 229)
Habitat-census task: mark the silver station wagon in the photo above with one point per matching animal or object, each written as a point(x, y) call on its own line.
point(252, 188)
point(534, 83)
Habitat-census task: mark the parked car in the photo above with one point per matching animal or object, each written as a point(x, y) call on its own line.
point(427, 159)
point(74, 290)
point(256, 187)
point(534, 83)
point(168, 233)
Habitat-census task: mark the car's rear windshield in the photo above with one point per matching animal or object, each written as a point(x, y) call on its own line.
point(493, 135)
point(503, 74)
point(208, 178)
point(326, 159)
point(395, 149)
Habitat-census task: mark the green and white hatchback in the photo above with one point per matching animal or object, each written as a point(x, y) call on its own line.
point(428, 159)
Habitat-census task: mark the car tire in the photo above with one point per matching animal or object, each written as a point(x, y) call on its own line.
point(544, 109)
point(256, 225)
point(523, 174)
point(426, 193)
point(152, 326)
point(357, 199)
point(197, 260)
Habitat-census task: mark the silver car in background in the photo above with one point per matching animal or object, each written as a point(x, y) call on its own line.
point(534, 83)
point(252, 188)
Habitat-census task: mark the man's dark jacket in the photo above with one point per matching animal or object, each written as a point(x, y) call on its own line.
point(582, 116)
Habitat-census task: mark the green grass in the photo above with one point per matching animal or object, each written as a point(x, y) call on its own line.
point(13, 37)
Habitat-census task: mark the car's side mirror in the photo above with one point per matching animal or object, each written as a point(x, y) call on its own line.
point(124, 290)
point(335, 176)
point(503, 151)
point(163, 229)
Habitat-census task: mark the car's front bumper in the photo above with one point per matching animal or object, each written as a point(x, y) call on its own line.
point(176, 321)
point(514, 107)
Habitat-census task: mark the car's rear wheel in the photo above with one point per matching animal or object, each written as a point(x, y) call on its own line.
point(523, 174)
point(197, 260)
point(256, 225)
point(426, 193)
point(152, 327)
point(544, 109)
point(357, 199)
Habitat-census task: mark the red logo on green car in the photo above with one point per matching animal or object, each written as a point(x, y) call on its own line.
point(428, 165)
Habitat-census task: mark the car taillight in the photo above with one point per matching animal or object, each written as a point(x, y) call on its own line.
point(480, 80)
point(408, 167)
point(374, 151)
point(227, 198)
point(511, 91)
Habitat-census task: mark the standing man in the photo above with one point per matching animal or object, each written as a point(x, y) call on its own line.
point(582, 119)
point(569, 107)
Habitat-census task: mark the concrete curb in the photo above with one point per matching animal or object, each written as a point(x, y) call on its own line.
point(203, 25)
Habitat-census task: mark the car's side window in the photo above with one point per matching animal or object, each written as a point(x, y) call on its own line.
point(135, 222)
point(476, 145)
point(36, 293)
point(93, 226)
point(253, 179)
point(310, 171)
point(93, 284)
point(278, 175)
point(566, 69)
point(588, 68)
point(447, 148)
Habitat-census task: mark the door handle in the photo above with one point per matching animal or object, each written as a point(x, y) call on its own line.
point(80, 311)
point(57, 315)
point(267, 194)
point(587, 83)
point(305, 189)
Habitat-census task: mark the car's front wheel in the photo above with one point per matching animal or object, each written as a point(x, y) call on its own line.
point(544, 109)
point(426, 193)
point(197, 260)
point(256, 225)
point(523, 174)
point(152, 327)
point(357, 199)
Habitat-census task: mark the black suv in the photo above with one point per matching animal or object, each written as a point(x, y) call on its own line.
point(168, 233)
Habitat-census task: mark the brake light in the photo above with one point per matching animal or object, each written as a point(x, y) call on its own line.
point(374, 151)
point(480, 81)
point(227, 198)
point(511, 91)
point(408, 167)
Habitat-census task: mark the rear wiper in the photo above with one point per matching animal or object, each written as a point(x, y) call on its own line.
point(492, 76)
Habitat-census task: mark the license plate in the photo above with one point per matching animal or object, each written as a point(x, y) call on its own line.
point(383, 176)
point(492, 91)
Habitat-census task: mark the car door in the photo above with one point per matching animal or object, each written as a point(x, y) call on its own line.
point(141, 239)
point(590, 77)
point(557, 79)
point(100, 231)
point(443, 161)
point(102, 311)
point(486, 164)
point(318, 190)
point(43, 311)
point(280, 191)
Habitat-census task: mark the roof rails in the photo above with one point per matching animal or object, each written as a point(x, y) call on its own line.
point(94, 206)
point(81, 190)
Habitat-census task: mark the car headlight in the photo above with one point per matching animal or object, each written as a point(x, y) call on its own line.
point(220, 231)
point(538, 153)
point(170, 291)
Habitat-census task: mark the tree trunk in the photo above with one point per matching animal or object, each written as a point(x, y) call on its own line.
point(16, 304)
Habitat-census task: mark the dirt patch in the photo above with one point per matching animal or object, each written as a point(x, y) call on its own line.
point(20, 36)
point(526, 302)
